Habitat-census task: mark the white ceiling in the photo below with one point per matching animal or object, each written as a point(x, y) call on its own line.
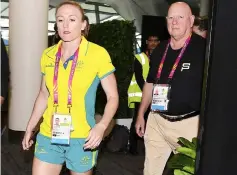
point(135, 9)
point(96, 13)
point(103, 10)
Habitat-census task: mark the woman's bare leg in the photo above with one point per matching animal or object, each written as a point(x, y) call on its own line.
point(44, 168)
point(85, 173)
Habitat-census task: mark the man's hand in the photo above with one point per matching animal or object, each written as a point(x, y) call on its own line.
point(140, 126)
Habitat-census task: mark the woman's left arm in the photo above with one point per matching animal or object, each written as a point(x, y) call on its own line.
point(96, 134)
point(110, 87)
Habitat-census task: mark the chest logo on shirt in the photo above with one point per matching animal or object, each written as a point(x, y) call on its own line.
point(50, 65)
point(80, 64)
point(185, 66)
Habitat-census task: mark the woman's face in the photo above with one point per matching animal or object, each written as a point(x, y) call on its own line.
point(69, 22)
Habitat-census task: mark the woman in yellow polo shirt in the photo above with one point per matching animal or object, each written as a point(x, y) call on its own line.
point(71, 70)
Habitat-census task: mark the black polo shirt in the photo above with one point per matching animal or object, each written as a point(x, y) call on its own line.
point(186, 84)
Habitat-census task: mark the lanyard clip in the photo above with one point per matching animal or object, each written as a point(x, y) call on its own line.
point(157, 80)
point(69, 108)
point(56, 107)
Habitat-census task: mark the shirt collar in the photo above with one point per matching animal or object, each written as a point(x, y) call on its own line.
point(82, 50)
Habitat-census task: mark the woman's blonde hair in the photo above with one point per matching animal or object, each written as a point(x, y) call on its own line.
point(77, 5)
point(73, 3)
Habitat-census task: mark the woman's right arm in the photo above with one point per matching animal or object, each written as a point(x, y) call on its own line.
point(39, 107)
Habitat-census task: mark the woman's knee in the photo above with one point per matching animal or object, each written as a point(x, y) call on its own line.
point(42, 168)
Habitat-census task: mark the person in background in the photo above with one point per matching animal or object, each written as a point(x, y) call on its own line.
point(152, 42)
point(68, 90)
point(176, 69)
point(200, 26)
point(5, 72)
point(141, 69)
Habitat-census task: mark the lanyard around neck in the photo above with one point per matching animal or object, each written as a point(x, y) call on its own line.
point(55, 79)
point(176, 61)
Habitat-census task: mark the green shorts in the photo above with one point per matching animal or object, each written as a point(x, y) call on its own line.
point(76, 158)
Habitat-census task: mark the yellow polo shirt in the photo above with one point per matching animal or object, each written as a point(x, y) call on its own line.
point(93, 64)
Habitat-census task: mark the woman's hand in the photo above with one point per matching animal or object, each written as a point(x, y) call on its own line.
point(27, 142)
point(95, 136)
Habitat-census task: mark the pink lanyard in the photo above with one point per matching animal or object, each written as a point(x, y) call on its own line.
point(176, 62)
point(55, 78)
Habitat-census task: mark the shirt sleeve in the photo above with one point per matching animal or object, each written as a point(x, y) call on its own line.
point(105, 66)
point(138, 74)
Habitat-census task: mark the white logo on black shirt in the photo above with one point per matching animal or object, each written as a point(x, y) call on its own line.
point(185, 66)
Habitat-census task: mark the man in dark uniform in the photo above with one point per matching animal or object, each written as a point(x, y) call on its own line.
point(177, 65)
point(152, 42)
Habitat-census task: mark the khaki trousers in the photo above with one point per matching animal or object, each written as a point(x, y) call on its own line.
point(161, 138)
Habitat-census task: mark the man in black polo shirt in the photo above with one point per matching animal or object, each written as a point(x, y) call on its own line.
point(175, 101)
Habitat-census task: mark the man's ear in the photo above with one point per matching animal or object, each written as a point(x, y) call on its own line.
point(192, 18)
